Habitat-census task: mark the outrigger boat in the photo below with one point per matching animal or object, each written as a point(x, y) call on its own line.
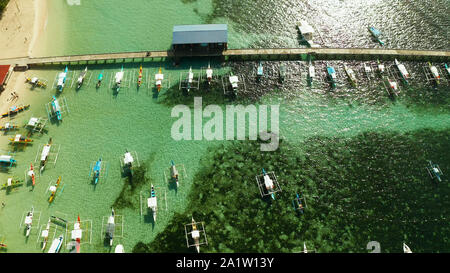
point(311, 71)
point(406, 248)
point(190, 79)
point(61, 80)
point(45, 153)
point(81, 78)
point(260, 71)
point(110, 227)
point(2, 244)
point(128, 160)
point(331, 75)
point(351, 75)
point(174, 172)
point(376, 34)
point(31, 174)
point(158, 79)
point(209, 74)
point(152, 203)
point(270, 186)
point(195, 235)
point(14, 110)
point(393, 87)
point(29, 221)
point(10, 183)
point(8, 127)
point(53, 190)
point(99, 79)
point(36, 82)
point(282, 72)
point(403, 71)
point(56, 244)
point(119, 249)
point(434, 71)
point(7, 160)
point(234, 81)
point(447, 68)
point(380, 67)
point(298, 204)
point(56, 108)
point(118, 78)
point(77, 233)
point(139, 82)
point(44, 234)
point(97, 169)
point(434, 171)
point(19, 139)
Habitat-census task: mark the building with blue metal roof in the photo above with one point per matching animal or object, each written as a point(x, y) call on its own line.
point(200, 38)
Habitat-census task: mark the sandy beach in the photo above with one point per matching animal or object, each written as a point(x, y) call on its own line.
point(21, 25)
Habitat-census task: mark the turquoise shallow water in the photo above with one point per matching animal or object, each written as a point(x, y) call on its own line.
point(101, 124)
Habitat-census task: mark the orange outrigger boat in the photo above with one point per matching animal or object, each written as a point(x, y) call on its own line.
point(14, 110)
point(32, 175)
point(140, 77)
point(159, 78)
point(19, 139)
point(53, 189)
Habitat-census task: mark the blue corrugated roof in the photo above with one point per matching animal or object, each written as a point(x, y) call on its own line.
point(198, 34)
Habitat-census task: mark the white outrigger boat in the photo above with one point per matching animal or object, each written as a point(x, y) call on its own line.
point(404, 73)
point(56, 244)
point(380, 67)
point(434, 72)
point(61, 80)
point(234, 81)
point(110, 227)
point(158, 79)
point(393, 86)
point(351, 75)
point(80, 79)
point(77, 233)
point(311, 72)
point(406, 249)
point(119, 249)
point(152, 203)
point(190, 79)
point(128, 159)
point(44, 234)
point(195, 235)
point(174, 172)
point(45, 153)
point(209, 74)
point(118, 79)
point(29, 221)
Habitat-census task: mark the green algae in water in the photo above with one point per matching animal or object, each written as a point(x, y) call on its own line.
point(373, 186)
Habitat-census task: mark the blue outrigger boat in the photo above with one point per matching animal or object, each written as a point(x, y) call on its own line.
point(56, 108)
point(97, 169)
point(298, 204)
point(376, 33)
point(7, 160)
point(99, 79)
point(62, 80)
point(260, 71)
point(434, 171)
point(332, 75)
point(448, 69)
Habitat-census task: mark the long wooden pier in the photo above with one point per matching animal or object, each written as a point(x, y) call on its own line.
point(242, 54)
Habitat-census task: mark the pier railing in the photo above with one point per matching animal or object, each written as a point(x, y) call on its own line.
point(243, 55)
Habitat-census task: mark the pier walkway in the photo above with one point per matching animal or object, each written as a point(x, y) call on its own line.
point(243, 55)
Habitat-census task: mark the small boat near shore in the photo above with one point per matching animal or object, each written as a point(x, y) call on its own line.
point(56, 244)
point(119, 249)
point(158, 79)
point(376, 34)
point(195, 235)
point(19, 139)
point(434, 72)
point(209, 74)
point(174, 172)
point(56, 108)
point(36, 82)
point(53, 189)
point(77, 233)
point(118, 79)
point(80, 79)
point(11, 183)
point(32, 175)
point(8, 127)
point(332, 75)
point(45, 153)
point(260, 71)
point(403, 72)
point(306, 32)
point(29, 221)
point(139, 82)
point(97, 169)
point(190, 79)
point(351, 75)
point(44, 234)
point(7, 160)
point(110, 227)
point(447, 68)
point(152, 202)
point(393, 87)
point(99, 79)
point(14, 110)
point(311, 72)
point(61, 80)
